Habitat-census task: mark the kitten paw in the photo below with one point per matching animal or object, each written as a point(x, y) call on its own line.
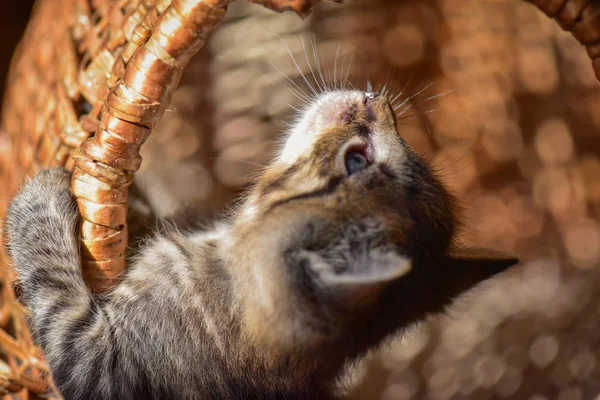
point(43, 208)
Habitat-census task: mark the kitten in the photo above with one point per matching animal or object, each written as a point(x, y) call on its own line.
point(346, 238)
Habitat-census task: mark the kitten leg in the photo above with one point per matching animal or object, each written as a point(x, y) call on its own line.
point(72, 330)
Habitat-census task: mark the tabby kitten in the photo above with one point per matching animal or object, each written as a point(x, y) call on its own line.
point(346, 238)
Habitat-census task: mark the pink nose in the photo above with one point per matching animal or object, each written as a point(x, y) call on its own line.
point(369, 97)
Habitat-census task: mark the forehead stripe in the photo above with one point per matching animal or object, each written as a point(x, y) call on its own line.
point(326, 190)
point(279, 181)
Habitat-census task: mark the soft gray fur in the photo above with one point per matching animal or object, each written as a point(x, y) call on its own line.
point(143, 340)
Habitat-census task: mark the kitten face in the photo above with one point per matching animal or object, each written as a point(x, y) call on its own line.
point(387, 180)
point(347, 222)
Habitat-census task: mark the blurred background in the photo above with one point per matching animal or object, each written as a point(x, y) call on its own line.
point(496, 96)
point(13, 20)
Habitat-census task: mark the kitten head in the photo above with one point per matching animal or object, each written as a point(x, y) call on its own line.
point(348, 234)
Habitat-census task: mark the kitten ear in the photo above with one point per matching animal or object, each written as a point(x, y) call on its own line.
point(469, 267)
point(375, 268)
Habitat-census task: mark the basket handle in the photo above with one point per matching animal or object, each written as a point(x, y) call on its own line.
point(105, 163)
point(581, 18)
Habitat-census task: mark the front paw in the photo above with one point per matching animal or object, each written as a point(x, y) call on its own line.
point(50, 181)
point(43, 200)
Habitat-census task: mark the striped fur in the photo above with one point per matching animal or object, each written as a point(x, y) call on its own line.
point(315, 269)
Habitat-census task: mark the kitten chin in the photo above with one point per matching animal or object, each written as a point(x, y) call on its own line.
point(345, 239)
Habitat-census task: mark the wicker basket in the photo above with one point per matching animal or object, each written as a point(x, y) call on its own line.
point(89, 82)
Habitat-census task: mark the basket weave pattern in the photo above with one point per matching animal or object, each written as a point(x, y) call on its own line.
point(89, 82)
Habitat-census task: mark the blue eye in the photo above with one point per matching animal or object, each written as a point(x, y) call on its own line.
point(356, 162)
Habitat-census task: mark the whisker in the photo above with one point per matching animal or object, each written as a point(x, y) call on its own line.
point(349, 66)
point(342, 81)
point(408, 116)
point(416, 94)
point(328, 75)
point(318, 62)
point(382, 88)
point(460, 170)
point(298, 110)
point(337, 53)
point(296, 64)
point(411, 76)
point(298, 92)
point(440, 95)
point(415, 114)
point(437, 164)
point(310, 66)
point(304, 99)
point(405, 109)
point(254, 164)
point(455, 161)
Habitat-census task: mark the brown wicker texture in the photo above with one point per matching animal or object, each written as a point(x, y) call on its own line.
point(92, 78)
